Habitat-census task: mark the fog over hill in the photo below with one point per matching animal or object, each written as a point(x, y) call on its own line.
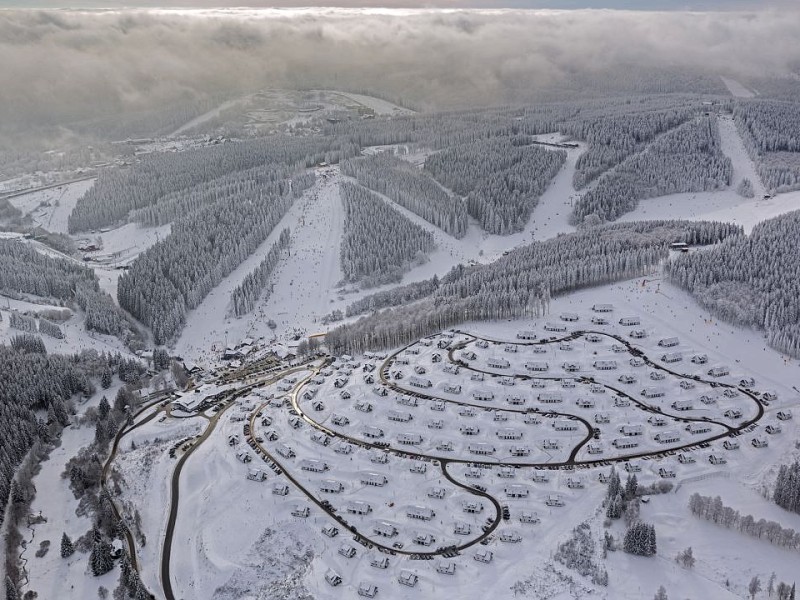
point(68, 65)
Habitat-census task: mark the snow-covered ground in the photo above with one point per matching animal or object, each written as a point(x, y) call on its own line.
point(736, 88)
point(724, 205)
point(304, 282)
point(76, 337)
point(381, 107)
point(50, 208)
point(52, 576)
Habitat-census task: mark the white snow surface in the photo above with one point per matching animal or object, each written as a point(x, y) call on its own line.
point(736, 88)
point(50, 208)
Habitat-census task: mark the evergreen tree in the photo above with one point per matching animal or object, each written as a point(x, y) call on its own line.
point(631, 487)
point(754, 587)
point(661, 594)
point(67, 547)
point(100, 559)
point(103, 408)
point(11, 590)
point(106, 378)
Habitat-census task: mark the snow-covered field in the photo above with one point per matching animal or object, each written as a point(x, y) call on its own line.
point(236, 539)
point(50, 208)
point(225, 519)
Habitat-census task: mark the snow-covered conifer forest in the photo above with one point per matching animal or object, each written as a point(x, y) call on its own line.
point(379, 244)
point(399, 303)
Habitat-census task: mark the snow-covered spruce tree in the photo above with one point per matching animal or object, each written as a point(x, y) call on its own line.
point(750, 280)
point(12, 593)
point(67, 547)
point(245, 296)
point(100, 559)
point(745, 188)
point(640, 539)
point(161, 359)
point(28, 343)
point(687, 159)
point(411, 188)
point(50, 329)
point(661, 594)
point(379, 244)
point(787, 487)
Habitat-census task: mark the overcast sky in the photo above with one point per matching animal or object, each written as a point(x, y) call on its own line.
point(559, 4)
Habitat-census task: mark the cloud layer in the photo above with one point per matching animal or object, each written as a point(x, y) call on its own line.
point(60, 65)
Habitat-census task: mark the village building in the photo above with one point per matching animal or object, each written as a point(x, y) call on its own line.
point(367, 590)
point(409, 439)
point(555, 327)
point(667, 437)
point(357, 507)
point(373, 479)
point(482, 449)
point(483, 555)
point(420, 512)
point(313, 465)
point(520, 451)
point(452, 388)
point(630, 321)
point(331, 486)
point(537, 366)
point(446, 567)
point(399, 417)
point(605, 365)
point(603, 308)
point(517, 490)
point(550, 398)
point(526, 335)
point(498, 363)
point(509, 434)
point(682, 405)
point(384, 529)
point(624, 443)
point(372, 432)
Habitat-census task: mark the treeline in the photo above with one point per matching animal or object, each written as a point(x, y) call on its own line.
point(411, 188)
point(28, 324)
point(771, 133)
point(175, 274)
point(26, 271)
point(379, 244)
point(246, 185)
point(521, 283)
point(787, 487)
point(393, 297)
point(117, 192)
point(247, 293)
point(32, 381)
point(686, 159)
point(712, 509)
point(612, 139)
point(752, 280)
point(502, 178)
